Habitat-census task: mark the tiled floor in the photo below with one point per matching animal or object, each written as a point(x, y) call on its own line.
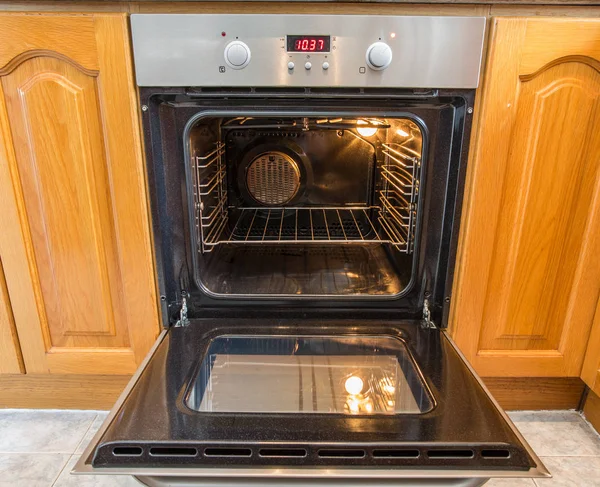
point(39, 449)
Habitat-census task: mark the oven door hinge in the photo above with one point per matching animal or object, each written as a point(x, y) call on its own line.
point(427, 323)
point(183, 312)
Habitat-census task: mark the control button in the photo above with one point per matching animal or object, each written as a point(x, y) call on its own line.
point(308, 65)
point(325, 65)
point(379, 56)
point(291, 65)
point(237, 54)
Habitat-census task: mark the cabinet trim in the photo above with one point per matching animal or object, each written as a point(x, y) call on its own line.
point(11, 361)
point(14, 63)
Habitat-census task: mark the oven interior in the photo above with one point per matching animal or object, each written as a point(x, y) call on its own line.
point(297, 206)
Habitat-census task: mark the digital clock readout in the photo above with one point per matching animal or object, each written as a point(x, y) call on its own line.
point(308, 43)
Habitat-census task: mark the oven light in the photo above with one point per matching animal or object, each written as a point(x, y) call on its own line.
point(402, 133)
point(365, 131)
point(354, 385)
point(392, 35)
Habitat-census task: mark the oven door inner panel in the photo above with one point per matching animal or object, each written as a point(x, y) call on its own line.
point(358, 375)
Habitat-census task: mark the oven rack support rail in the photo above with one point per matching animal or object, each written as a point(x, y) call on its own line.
point(392, 221)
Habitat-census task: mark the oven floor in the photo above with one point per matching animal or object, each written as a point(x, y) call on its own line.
point(38, 448)
point(337, 270)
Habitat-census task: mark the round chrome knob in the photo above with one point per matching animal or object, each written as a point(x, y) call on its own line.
point(379, 56)
point(291, 65)
point(237, 54)
point(308, 65)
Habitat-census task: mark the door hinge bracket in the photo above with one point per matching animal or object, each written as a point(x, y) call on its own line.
point(183, 312)
point(427, 323)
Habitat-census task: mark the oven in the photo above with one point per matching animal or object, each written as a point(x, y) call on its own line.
point(305, 176)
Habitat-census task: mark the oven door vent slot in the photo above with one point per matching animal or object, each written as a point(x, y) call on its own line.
point(283, 452)
point(127, 451)
point(450, 453)
point(395, 453)
point(227, 452)
point(341, 453)
point(173, 451)
point(495, 454)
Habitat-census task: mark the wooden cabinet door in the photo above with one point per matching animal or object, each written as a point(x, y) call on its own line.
point(76, 246)
point(528, 275)
point(10, 352)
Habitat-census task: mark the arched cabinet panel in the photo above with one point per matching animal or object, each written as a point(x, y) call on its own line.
point(72, 179)
point(529, 274)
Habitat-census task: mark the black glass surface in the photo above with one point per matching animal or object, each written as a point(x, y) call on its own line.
point(159, 411)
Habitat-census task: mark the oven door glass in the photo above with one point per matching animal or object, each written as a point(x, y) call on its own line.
point(308, 374)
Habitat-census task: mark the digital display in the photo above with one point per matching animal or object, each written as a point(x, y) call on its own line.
point(308, 43)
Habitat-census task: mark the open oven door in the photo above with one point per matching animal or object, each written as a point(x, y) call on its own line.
point(284, 402)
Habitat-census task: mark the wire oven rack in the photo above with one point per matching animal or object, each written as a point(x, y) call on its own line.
point(393, 221)
point(400, 195)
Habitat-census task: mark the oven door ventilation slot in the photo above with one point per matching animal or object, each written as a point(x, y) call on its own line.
point(450, 453)
point(173, 451)
point(341, 453)
point(127, 451)
point(227, 452)
point(390, 453)
point(283, 452)
point(499, 454)
point(391, 220)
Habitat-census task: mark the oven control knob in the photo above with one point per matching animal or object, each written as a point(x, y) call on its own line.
point(379, 56)
point(237, 54)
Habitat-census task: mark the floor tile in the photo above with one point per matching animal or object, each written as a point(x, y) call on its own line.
point(67, 479)
point(510, 483)
point(557, 433)
point(91, 432)
point(46, 431)
point(571, 472)
point(30, 469)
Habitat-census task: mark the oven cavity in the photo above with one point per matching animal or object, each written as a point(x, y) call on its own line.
point(304, 206)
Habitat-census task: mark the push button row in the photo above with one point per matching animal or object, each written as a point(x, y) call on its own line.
point(308, 65)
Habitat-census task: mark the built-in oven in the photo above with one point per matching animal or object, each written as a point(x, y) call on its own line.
point(305, 176)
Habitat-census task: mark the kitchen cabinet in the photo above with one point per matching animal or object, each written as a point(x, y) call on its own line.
point(10, 353)
point(76, 244)
point(528, 274)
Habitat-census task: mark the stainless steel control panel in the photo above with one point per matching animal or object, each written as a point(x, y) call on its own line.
point(307, 50)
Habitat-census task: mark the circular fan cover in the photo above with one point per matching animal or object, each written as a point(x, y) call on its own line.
point(273, 178)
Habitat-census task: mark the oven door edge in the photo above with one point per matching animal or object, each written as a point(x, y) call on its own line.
point(541, 469)
point(81, 467)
